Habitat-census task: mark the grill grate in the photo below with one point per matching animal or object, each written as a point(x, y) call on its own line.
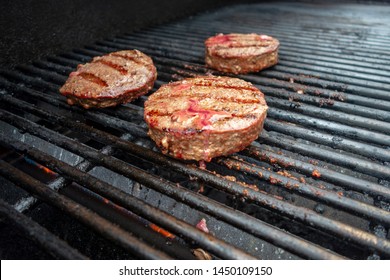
point(315, 183)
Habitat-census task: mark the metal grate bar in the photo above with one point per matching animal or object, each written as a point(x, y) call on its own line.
point(185, 54)
point(174, 32)
point(336, 82)
point(307, 190)
point(198, 201)
point(338, 63)
point(378, 137)
point(339, 117)
point(356, 147)
point(304, 215)
point(326, 174)
point(51, 243)
point(210, 243)
point(328, 116)
point(104, 227)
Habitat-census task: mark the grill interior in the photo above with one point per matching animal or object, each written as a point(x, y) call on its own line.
point(315, 185)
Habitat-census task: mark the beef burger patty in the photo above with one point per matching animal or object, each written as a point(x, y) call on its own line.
point(109, 80)
point(204, 117)
point(241, 53)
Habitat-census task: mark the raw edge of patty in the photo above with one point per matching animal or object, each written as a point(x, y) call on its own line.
point(205, 117)
point(241, 53)
point(110, 80)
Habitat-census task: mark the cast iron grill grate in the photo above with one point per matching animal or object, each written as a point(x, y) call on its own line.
point(314, 185)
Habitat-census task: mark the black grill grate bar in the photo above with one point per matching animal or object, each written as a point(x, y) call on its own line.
point(381, 113)
point(54, 67)
point(318, 194)
point(299, 119)
point(340, 117)
point(336, 41)
point(318, 66)
point(29, 80)
point(329, 140)
point(343, 118)
point(370, 65)
point(316, 97)
point(182, 194)
point(348, 161)
point(377, 90)
point(374, 189)
point(128, 113)
point(360, 165)
point(210, 243)
point(363, 105)
point(372, 71)
point(63, 61)
point(268, 79)
point(312, 28)
point(308, 47)
point(304, 215)
point(60, 182)
point(320, 124)
point(336, 82)
point(290, 163)
point(231, 215)
point(348, 67)
point(104, 227)
point(48, 241)
point(337, 160)
point(333, 116)
point(370, 135)
point(175, 31)
point(346, 144)
point(48, 76)
point(184, 53)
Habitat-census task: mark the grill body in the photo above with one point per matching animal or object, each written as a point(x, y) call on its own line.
point(314, 185)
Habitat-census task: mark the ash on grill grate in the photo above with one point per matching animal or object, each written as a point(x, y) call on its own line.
point(314, 185)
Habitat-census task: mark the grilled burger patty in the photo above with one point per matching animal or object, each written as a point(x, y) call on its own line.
point(204, 117)
point(241, 53)
point(109, 80)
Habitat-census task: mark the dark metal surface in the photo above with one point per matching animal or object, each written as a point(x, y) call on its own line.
point(52, 244)
point(105, 227)
point(314, 185)
point(49, 27)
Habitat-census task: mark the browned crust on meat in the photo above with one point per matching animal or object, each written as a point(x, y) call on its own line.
point(241, 53)
point(109, 80)
point(205, 117)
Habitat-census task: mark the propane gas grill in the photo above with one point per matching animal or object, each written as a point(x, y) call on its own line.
point(82, 183)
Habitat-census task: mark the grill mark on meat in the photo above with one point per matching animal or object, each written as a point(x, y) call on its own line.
point(210, 83)
point(242, 46)
point(155, 113)
point(92, 78)
point(216, 98)
point(112, 65)
point(225, 86)
point(110, 80)
point(133, 59)
point(241, 53)
point(191, 120)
